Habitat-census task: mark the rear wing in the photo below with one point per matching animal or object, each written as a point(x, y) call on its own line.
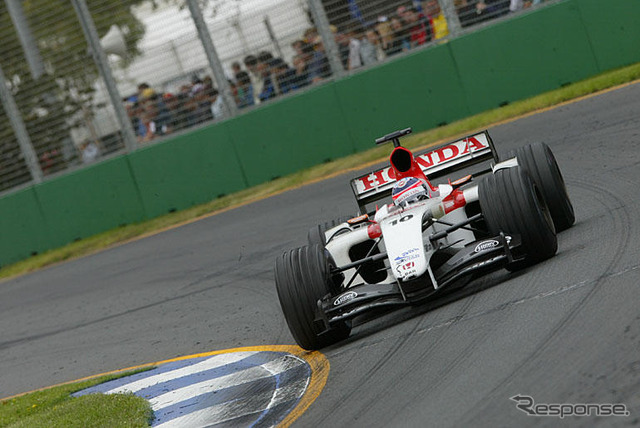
point(434, 163)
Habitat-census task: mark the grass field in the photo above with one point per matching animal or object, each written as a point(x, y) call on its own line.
point(123, 234)
point(56, 408)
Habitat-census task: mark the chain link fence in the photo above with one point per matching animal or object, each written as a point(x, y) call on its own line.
point(80, 84)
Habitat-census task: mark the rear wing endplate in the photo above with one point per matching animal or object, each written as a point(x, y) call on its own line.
point(434, 163)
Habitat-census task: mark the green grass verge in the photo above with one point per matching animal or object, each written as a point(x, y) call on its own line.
point(55, 408)
point(465, 126)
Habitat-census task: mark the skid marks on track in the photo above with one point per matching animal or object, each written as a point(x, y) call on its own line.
point(619, 218)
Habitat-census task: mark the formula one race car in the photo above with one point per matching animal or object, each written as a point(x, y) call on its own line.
point(427, 238)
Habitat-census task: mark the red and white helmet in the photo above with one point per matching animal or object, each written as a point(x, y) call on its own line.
point(409, 189)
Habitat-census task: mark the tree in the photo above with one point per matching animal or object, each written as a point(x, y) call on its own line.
point(50, 104)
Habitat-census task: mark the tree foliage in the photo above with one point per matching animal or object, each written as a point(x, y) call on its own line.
point(50, 104)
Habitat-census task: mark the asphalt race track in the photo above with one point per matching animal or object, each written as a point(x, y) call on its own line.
point(564, 331)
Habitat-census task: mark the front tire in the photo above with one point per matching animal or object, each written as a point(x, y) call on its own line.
point(512, 203)
point(302, 278)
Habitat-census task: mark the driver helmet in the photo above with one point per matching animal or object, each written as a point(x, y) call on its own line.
point(409, 189)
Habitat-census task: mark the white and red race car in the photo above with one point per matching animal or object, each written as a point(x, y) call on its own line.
point(427, 238)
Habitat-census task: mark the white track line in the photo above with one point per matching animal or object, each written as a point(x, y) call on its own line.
point(235, 409)
point(208, 364)
point(233, 379)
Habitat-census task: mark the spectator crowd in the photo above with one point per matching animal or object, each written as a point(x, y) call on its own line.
point(262, 77)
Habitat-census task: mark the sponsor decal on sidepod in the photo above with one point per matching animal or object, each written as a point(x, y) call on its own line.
point(486, 245)
point(492, 243)
point(344, 298)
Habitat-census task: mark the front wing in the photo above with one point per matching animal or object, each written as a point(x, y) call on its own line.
point(475, 259)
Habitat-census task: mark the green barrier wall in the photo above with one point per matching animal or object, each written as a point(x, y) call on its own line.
point(23, 228)
point(296, 133)
point(614, 32)
point(89, 201)
point(187, 170)
point(502, 63)
point(422, 90)
point(525, 56)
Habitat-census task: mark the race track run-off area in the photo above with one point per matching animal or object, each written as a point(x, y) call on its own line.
point(564, 331)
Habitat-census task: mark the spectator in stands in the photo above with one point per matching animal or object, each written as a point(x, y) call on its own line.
point(298, 46)
point(155, 115)
point(179, 106)
point(301, 68)
point(420, 31)
point(300, 61)
point(318, 63)
point(244, 89)
point(207, 81)
point(466, 10)
point(490, 9)
point(385, 31)
point(368, 53)
point(401, 40)
point(517, 5)
point(199, 104)
point(284, 75)
point(132, 106)
point(342, 41)
point(217, 104)
point(401, 13)
point(373, 37)
point(163, 117)
point(251, 62)
point(146, 120)
point(269, 84)
point(235, 68)
point(355, 34)
point(142, 87)
point(233, 87)
point(310, 35)
point(48, 161)
point(136, 111)
point(147, 112)
point(90, 151)
point(436, 19)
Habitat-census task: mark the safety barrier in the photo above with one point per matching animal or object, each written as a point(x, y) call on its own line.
point(512, 60)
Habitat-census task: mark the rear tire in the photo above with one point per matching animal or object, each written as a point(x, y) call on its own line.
point(512, 203)
point(302, 278)
point(538, 160)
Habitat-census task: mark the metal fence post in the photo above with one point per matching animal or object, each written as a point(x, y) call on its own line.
point(100, 58)
point(29, 45)
point(212, 57)
point(451, 15)
point(20, 130)
point(328, 38)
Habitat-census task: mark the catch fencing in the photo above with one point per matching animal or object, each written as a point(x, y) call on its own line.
point(83, 84)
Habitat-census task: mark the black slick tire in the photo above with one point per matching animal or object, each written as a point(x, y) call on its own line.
point(302, 278)
point(538, 160)
point(511, 203)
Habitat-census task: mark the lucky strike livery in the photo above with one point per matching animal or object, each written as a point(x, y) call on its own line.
point(428, 237)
